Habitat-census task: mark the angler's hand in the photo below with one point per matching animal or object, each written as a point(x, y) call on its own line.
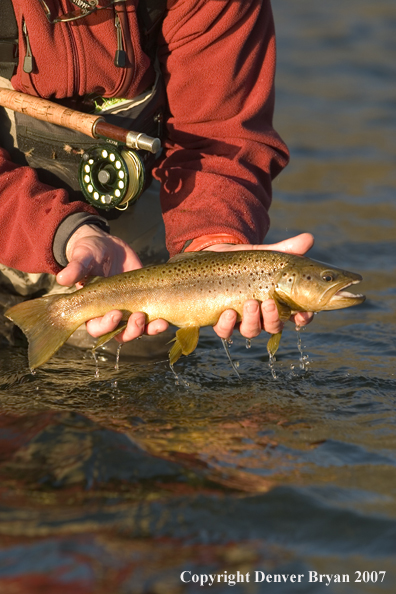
point(93, 252)
point(266, 318)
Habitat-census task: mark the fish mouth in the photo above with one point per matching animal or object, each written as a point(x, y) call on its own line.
point(342, 298)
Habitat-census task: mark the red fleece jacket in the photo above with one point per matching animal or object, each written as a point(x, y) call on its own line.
point(221, 152)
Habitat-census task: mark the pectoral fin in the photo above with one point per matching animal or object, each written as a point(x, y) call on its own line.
point(106, 337)
point(186, 341)
point(273, 343)
point(121, 326)
point(284, 311)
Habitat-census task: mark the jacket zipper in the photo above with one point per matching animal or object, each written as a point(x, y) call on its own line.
point(120, 55)
point(28, 63)
point(124, 45)
point(75, 61)
point(124, 55)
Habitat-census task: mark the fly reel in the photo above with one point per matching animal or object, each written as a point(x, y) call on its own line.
point(110, 177)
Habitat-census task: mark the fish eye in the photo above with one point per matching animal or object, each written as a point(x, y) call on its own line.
point(328, 277)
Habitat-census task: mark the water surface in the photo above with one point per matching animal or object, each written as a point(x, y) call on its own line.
point(120, 481)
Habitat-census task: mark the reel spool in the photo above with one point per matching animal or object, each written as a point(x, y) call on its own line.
point(111, 178)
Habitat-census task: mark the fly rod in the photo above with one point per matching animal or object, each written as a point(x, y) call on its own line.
point(92, 125)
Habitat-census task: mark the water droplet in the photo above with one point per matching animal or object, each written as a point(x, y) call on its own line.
point(248, 343)
point(179, 380)
point(304, 359)
point(116, 366)
point(271, 363)
point(233, 364)
point(95, 356)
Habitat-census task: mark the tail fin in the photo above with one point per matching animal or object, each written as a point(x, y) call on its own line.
point(45, 335)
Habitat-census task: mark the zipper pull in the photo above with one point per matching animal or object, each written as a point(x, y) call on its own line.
point(28, 62)
point(120, 55)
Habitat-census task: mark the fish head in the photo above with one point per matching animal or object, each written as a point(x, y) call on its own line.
point(307, 285)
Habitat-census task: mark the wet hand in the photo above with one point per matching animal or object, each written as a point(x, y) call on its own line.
point(136, 326)
point(256, 318)
point(93, 252)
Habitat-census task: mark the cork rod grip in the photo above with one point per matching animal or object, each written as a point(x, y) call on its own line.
point(45, 110)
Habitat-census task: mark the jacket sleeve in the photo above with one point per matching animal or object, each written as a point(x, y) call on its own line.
point(218, 60)
point(30, 215)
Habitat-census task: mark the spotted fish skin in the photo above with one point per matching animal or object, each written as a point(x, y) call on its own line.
point(190, 291)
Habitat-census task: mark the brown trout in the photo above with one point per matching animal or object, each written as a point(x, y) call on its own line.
point(190, 291)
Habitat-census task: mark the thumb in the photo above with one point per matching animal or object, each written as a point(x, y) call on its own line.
point(75, 271)
point(299, 244)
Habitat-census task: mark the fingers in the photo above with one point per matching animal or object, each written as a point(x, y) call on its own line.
point(99, 326)
point(250, 326)
point(156, 327)
point(251, 319)
point(137, 327)
point(271, 322)
point(299, 244)
point(254, 319)
point(226, 323)
point(302, 318)
point(74, 272)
